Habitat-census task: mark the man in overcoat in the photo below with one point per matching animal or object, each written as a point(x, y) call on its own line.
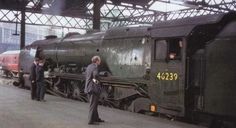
point(40, 81)
point(93, 90)
point(32, 79)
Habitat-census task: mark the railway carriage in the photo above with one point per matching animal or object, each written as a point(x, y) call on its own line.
point(9, 61)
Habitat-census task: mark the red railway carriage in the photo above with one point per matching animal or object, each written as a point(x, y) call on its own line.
point(9, 62)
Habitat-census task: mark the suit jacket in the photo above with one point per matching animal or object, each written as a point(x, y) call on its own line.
point(92, 73)
point(39, 73)
point(32, 76)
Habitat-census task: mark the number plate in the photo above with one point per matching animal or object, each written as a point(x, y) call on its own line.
point(167, 76)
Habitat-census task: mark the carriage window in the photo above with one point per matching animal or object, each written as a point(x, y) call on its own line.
point(174, 49)
point(160, 49)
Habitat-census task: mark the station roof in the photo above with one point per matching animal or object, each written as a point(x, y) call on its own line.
point(117, 12)
point(76, 8)
point(80, 8)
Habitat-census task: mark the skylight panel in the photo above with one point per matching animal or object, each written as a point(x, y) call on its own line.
point(166, 7)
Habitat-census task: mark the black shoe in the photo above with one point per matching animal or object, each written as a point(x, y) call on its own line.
point(43, 100)
point(92, 123)
point(22, 87)
point(100, 120)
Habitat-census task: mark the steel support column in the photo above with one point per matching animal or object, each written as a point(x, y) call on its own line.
point(96, 15)
point(22, 31)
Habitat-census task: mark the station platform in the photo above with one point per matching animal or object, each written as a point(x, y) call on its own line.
point(17, 110)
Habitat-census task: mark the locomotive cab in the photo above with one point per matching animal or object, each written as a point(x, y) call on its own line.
point(167, 70)
point(181, 68)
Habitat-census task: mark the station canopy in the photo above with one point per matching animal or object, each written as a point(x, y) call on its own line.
point(79, 13)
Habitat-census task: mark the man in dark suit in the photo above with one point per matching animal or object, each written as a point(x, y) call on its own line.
point(21, 79)
point(40, 81)
point(32, 78)
point(93, 89)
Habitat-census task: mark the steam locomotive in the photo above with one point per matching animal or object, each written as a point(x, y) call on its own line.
point(183, 68)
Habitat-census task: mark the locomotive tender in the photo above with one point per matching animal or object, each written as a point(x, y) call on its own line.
point(183, 67)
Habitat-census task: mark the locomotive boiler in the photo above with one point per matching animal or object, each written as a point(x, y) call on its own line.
point(125, 54)
point(183, 68)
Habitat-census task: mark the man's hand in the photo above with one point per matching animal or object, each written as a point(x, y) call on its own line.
point(95, 81)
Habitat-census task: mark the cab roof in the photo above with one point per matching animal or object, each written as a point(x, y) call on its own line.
point(183, 27)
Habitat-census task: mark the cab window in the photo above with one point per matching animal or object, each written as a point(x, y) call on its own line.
point(168, 49)
point(160, 50)
point(174, 49)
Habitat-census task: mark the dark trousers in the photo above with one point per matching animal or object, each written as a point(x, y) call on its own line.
point(33, 91)
point(22, 83)
point(40, 90)
point(93, 107)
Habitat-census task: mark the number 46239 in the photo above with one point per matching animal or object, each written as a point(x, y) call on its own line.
point(167, 76)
